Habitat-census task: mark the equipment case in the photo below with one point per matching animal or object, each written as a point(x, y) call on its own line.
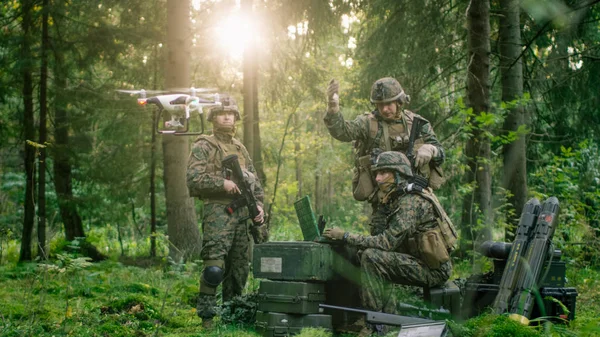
point(293, 261)
point(479, 296)
point(290, 297)
point(272, 324)
point(446, 297)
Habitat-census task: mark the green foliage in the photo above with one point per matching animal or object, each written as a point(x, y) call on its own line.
point(572, 178)
point(497, 326)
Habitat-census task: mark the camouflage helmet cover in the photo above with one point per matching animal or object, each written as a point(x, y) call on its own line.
point(228, 103)
point(386, 90)
point(393, 161)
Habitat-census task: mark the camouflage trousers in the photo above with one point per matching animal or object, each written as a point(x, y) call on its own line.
point(227, 242)
point(381, 270)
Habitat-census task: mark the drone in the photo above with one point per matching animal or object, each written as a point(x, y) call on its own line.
point(176, 107)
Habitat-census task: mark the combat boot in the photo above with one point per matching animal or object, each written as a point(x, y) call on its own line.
point(205, 308)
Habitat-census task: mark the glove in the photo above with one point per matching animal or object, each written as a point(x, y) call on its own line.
point(333, 97)
point(334, 233)
point(424, 155)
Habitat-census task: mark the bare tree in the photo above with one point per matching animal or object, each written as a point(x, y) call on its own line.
point(183, 231)
point(511, 69)
point(29, 134)
point(43, 134)
point(478, 203)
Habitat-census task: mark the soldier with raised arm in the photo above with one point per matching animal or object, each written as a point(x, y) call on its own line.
point(386, 128)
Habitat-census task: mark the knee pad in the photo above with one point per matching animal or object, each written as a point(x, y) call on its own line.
point(212, 276)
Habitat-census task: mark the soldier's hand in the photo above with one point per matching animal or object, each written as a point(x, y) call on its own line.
point(333, 96)
point(334, 233)
point(260, 218)
point(231, 187)
point(424, 155)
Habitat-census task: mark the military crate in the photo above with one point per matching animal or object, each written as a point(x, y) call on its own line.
point(478, 296)
point(566, 296)
point(556, 275)
point(273, 324)
point(446, 297)
point(290, 297)
point(293, 261)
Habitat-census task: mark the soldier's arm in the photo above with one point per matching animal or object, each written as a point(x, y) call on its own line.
point(429, 137)
point(199, 179)
point(346, 131)
point(401, 224)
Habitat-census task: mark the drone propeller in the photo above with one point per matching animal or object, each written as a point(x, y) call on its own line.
point(140, 92)
point(193, 91)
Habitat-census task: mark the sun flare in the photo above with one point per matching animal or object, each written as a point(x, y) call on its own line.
point(235, 33)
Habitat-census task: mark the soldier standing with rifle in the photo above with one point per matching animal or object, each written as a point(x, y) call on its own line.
point(226, 245)
point(387, 128)
point(415, 247)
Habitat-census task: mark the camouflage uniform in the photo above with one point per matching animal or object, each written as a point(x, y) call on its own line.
point(386, 260)
point(226, 240)
point(413, 249)
point(367, 131)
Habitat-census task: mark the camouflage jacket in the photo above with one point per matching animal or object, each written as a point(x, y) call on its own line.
point(365, 130)
point(412, 214)
point(204, 172)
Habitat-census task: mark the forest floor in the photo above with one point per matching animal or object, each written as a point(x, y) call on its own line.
point(70, 297)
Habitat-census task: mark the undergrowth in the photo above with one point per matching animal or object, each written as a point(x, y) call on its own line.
point(71, 297)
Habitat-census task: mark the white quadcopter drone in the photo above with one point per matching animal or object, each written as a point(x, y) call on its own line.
point(178, 107)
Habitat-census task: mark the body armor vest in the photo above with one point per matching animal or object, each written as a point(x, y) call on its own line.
point(220, 150)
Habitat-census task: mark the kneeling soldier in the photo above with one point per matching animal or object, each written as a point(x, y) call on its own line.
point(415, 247)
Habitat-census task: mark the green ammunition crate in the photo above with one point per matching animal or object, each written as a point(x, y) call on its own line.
point(290, 297)
point(556, 275)
point(273, 324)
point(447, 297)
point(293, 261)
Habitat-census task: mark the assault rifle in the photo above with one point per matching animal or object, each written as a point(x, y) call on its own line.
point(231, 165)
point(409, 326)
point(415, 131)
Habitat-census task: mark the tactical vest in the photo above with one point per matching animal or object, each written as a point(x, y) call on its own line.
point(434, 246)
point(218, 152)
point(394, 137)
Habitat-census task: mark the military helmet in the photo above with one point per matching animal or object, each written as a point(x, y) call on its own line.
point(393, 161)
point(228, 103)
point(386, 90)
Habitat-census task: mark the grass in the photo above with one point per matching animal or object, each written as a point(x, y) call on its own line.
point(70, 297)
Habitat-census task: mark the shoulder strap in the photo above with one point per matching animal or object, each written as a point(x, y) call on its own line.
point(377, 129)
point(386, 136)
point(243, 149)
point(212, 141)
point(449, 233)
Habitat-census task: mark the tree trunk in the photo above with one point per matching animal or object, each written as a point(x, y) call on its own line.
point(511, 69)
point(297, 157)
point(29, 133)
point(251, 116)
point(61, 158)
point(43, 134)
point(153, 165)
point(477, 151)
point(183, 231)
